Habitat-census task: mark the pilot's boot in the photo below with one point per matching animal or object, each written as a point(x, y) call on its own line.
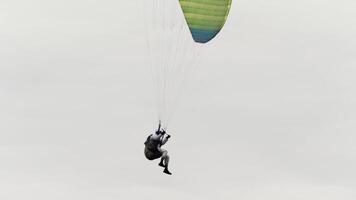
point(161, 163)
point(166, 171)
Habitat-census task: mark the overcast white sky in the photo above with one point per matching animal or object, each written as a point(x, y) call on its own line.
point(275, 121)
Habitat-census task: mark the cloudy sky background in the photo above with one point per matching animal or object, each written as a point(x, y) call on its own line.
point(276, 121)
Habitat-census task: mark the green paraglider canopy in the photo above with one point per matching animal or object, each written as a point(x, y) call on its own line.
point(205, 18)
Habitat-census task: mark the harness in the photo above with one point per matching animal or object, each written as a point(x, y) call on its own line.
point(152, 144)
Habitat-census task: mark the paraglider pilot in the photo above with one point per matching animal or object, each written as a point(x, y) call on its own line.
point(153, 148)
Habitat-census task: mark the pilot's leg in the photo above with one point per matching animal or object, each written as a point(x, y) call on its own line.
point(165, 161)
point(163, 158)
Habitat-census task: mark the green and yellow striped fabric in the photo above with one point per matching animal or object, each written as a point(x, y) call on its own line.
point(205, 18)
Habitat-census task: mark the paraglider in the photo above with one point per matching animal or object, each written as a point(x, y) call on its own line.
point(176, 33)
point(153, 149)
